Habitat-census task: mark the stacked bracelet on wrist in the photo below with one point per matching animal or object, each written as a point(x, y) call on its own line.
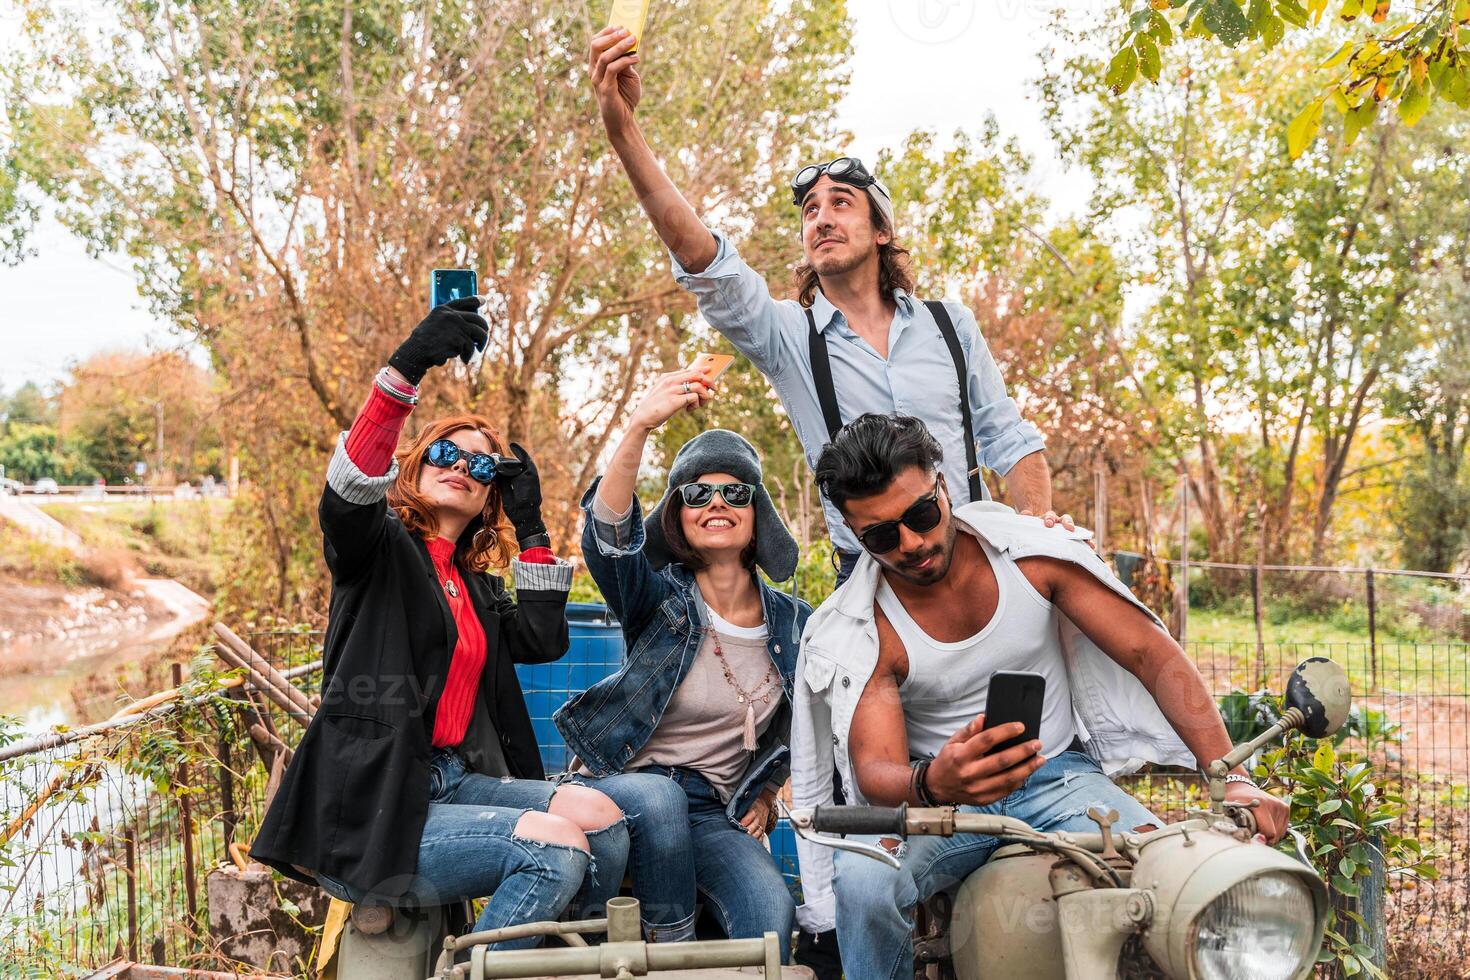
point(919, 785)
point(395, 389)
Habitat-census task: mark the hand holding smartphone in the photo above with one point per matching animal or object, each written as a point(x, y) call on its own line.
point(632, 14)
point(712, 365)
point(1015, 695)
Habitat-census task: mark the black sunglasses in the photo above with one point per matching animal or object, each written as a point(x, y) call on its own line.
point(484, 467)
point(921, 517)
point(845, 170)
point(698, 495)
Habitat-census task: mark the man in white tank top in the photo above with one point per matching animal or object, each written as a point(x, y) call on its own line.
point(950, 609)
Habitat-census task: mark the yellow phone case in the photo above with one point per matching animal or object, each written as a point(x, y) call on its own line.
point(630, 14)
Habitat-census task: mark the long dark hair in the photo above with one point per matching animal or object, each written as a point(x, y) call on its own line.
point(893, 264)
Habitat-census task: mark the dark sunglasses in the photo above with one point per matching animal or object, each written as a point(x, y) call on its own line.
point(845, 170)
point(698, 495)
point(921, 517)
point(484, 467)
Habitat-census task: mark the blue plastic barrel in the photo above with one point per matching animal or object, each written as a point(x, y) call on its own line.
point(596, 651)
point(783, 849)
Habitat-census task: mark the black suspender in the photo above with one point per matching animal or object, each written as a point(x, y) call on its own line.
point(827, 394)
point(822, 377)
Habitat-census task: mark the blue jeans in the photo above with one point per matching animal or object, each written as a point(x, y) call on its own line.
point(875, 903)
point(683, 842)
point(468, 849)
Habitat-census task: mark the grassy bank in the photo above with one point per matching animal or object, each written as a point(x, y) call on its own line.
point(168, 539)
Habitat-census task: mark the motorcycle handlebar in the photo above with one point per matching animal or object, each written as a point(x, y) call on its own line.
point(860, 820)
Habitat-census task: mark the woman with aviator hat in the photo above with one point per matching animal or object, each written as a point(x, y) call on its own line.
point(689, 737)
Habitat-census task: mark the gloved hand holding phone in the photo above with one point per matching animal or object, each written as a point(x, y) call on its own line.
point(455, 329)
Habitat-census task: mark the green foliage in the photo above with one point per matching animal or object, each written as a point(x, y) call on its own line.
point(31, 451)
point(1349, 824)
point(1413, 60)
point(1432, 394)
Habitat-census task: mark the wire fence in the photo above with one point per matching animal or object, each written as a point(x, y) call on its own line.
point(109, 839)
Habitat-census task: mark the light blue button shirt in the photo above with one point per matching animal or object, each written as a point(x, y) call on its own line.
point(917, 378)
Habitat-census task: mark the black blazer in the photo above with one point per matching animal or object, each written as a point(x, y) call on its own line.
point(354, 799)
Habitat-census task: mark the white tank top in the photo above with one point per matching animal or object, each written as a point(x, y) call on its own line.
point(947, 683)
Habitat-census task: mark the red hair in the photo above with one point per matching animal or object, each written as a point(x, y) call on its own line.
point(488, 540)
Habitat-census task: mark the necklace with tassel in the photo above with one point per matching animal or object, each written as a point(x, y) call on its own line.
point(763, 691)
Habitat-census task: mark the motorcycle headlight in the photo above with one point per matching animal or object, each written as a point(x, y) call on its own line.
point(1260, 929)
point(1226, 909)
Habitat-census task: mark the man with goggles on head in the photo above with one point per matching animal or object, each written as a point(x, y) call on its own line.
point(895, 671)
point(854, 340)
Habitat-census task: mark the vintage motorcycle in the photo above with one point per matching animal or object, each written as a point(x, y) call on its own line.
point(1199, 899)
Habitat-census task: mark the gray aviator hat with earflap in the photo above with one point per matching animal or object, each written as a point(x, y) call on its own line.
point(723, 451)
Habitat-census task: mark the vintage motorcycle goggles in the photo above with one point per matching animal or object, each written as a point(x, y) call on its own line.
point(845, 170)
point(921, 517)
point(484, 467)
point(697, 495)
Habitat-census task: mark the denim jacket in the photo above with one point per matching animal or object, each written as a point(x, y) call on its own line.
point(663, 619)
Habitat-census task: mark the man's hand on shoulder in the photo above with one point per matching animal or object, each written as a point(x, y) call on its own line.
point(1051, 519)
point(965, 771)
point(1272, 814)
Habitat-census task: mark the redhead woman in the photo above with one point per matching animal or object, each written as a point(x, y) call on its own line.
point(419, 780)
point(690, 736)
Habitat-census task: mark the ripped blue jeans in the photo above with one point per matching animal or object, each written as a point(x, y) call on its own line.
point(469, 849)
point(875, 903)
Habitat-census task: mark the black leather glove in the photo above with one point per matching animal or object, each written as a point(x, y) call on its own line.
point(451, 330)
point(819, 953)
point(520, 497)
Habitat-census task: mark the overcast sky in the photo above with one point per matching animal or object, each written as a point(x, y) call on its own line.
point(932, 64)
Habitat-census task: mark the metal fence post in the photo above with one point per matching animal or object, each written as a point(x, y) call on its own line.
point(1372, 907)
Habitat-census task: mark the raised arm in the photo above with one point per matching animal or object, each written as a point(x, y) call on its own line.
point(612, 541)
point(353, 505)
point(615, 79)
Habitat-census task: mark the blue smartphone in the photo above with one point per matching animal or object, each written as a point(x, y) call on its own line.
point(447, 285)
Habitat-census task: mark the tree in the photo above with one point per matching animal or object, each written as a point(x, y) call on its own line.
point(122, 408)
point(1280, 294)
point(1411, 60)
point(28, 403)
point(29, 452)
point(285, 175)
point(1432, 395)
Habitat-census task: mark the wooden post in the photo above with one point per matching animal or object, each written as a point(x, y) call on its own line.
point(1372, 631)
point(1183, 553)
point(1260, 633)
point(226, 787)
point(186, 819)
point(130, 862)
point(1099, 504)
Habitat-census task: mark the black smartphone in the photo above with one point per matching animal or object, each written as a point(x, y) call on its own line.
point(1015, 695)
point(447, 285)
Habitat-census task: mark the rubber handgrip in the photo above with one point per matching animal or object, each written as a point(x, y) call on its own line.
point(859, 820)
